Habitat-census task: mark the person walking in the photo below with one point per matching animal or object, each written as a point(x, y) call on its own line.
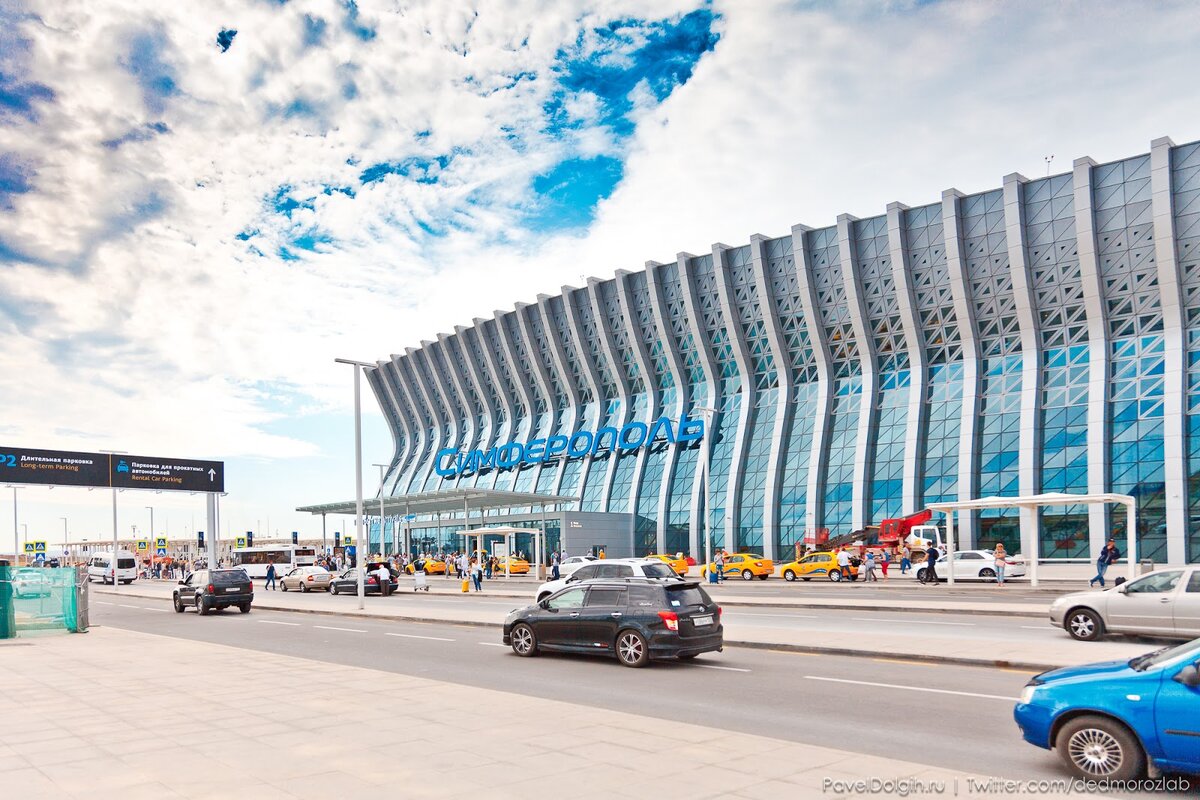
point(491, 565)
point(477, 574)
point(385, 579)
point(999, 554)
point(554, 565)
point(885, 561)
point(843, 562)
point(869, 565)
point(905, 559)
point(1107, 557)
point(270, 576)
point(931, 558)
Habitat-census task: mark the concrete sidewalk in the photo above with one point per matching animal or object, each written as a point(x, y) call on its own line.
point(904, 643)
point(121, 714)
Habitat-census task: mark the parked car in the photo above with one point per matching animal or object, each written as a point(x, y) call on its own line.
point(30, 583)
point(430, 566)
point(572, 563)
point(611, 568)
point(634, 619)
point(1165, 603)
point(213, 589)
point(306, 579)
point(347, 582)
point(1110, 720)
point(975, 565)
point(680, 565)
point(817, 565)
point(100, 566)
point(748, 565)
point(515, 566)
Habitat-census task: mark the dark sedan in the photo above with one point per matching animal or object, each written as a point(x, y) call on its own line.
point(347, 582)
point(634, 619)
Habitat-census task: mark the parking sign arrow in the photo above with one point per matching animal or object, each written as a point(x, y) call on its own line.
point(212, 474)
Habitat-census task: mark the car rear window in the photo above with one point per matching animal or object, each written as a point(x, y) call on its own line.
point(658, 570)
point(126, 563)
point(687, 596)
point(229, 577)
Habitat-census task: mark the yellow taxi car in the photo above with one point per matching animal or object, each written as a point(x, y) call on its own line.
point(748, 565)
point(816, 565)
point(516, 566)
point(432, 567)
point(680, 565)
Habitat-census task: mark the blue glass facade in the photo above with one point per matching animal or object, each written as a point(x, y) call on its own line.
point(852, 386)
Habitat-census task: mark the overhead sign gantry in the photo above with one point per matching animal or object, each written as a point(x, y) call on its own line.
point(109, 471)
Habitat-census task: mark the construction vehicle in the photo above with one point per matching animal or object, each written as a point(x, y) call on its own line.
point(912, 531)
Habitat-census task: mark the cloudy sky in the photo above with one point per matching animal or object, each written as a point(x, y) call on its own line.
point(195, 223)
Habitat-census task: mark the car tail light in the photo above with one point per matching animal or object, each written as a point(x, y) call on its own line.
point(372, 580)
point(209, 589)
point(670, 618)
point(758, 563)
point(720, 611)
point(310, 578)
point(1009, 561)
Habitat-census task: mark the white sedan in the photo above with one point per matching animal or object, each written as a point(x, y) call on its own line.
point(572, 563)
point(977, 565)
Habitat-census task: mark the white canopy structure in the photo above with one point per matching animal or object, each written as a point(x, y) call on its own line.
point(1033, 502)
point(539, 543)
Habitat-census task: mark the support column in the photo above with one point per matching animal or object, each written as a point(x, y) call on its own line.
point(1093, 302)
point(1029, 465)
point(440, 419)
point(741, 443)
point(1174, 350)
point(696, 322)
point(589, 371)
point(633, 335)
point(456, 386)
point(542, 378)
point(865, 444)
point(617, 370)
point(968, 331)
point(457, 422)
point(784, 407)
point(477, 373)
point(404, 384)
point(495, 376)
point(914, 340)
point(818, 456)
point(559, 354)
point(675, 364)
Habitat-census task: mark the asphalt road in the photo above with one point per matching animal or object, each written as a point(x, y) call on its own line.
point(949, 716)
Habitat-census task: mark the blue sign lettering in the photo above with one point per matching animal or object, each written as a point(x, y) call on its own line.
point(449, 462)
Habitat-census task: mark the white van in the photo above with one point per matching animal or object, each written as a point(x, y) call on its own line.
point(100, 567)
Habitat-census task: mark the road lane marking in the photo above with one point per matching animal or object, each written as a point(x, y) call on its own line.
point(784, 616)
point(164, 610)
point(414, 636)
point(332, 628)
point(714, 666)
point(103, 603)
point(277, 622)
point(911, 621)
point(1045, 627)
point(912, 688)
point(493, 644)
point(122, 605)
point(910, 663)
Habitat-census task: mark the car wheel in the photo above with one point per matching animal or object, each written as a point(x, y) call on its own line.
point(178, 605)
point(747, 575)
point(764, 576)
point(282, 586)
point(245, 608)
point(789, 575)
point(988, 574)
point(1084, 624)
point(304, 588)
point(201, 607)
point(631, 649)
point(921, 575)
point(1099, 748)
point(524, 640)
point(333, 590)
point(835, 575)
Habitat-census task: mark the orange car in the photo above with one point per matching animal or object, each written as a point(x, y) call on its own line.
point(432, 567)
point(680, 565)
point(516, 566)
point(747, 565)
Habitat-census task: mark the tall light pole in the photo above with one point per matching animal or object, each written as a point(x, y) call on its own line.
point(24, 536)
point(116, 546)
point(359, 560)
point(150, 545)
point(708, 414)
point(64, 522)
point(382, 475)
point(17, 549)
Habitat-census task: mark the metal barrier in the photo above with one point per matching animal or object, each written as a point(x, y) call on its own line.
point(41, 599)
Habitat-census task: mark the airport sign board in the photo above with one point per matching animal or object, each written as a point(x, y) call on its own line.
point(104, 470)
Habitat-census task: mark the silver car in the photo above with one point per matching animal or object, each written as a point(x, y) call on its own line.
point(1164, 603)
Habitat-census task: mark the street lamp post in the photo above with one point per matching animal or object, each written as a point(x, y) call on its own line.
point(382, 475)
point(116, 546)
point(17, 549)
point(708, 414)
point(64, 522)
point(151, 544)
point(360, 561)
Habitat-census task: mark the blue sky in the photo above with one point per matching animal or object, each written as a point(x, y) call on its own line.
point(194, 223)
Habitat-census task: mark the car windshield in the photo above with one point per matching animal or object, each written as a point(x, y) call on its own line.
point(659, 570)
point(1162, 656)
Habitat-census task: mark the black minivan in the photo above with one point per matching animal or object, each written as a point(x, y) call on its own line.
point(209, 589)
point(635, 619)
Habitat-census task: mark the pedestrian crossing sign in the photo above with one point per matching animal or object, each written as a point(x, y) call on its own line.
point(29, 547)
point(241, 541)
point(143, 545)
point(161, 543)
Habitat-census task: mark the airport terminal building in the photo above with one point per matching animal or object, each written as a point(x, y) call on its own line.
point(1042, 336)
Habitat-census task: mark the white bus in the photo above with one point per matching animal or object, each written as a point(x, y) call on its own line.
point(254, 560)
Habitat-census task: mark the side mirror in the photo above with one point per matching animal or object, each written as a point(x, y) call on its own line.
point(1123, 589)
point(544, 605)
point(183, 583)
point(1189, 676)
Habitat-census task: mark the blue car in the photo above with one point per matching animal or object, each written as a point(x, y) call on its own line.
point(1115, 720)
